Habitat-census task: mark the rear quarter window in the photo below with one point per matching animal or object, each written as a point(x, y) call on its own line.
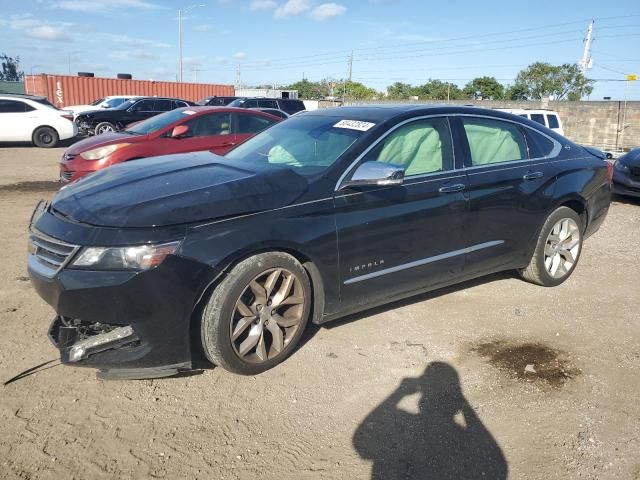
point(553, 121)
point(539, 145)
point(538, 117)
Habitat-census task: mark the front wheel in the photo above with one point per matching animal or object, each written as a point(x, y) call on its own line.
point(104, 127)
point(557, 250)
point(45, 137)
point(257, 314)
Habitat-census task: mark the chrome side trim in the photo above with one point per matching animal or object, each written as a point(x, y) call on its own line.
point(424, 261)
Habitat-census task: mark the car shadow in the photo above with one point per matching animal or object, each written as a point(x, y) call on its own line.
point(62, 144)
point(312, 329)
point(443, 438)
point(625, 199)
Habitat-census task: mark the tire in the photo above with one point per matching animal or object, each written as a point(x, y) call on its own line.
point(239, 335)
point(86, 74)
point(104, 127)
point(124, 76)
point(557, 250)
point(45, 137)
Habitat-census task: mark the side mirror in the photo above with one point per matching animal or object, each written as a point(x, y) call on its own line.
point(179, 131)
point(375, 174)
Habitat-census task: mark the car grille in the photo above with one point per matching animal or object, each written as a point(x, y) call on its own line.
point(50, 254)
point(65, 175)
point(635, 171)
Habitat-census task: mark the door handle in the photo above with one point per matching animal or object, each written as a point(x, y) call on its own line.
point(532, 175)
point(456, 187)
point(228, 144)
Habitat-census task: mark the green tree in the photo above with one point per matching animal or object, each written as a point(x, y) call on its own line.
point(517, 91)
point(563, 82)
point(354, 91)
point(400, 91)
point(10, 69)
point(306, 89)
point(438, 90)
point(485, 87)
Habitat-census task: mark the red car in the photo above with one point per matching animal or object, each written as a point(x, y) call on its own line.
point(189, 129)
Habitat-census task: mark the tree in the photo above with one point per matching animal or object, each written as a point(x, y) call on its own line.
point(487, 88)
point(306, 89)
point(438, 90)
point(354, 91)
point(563, 82)
point(10, 66)
point(517, 91)
point(400, 91)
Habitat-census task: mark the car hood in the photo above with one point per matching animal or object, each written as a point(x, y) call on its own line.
point(103, 113)
point(176, 189)
point(103, 140)
point(631, 159)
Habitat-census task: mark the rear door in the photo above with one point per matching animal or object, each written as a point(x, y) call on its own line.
point(246, 125)
point(399, 239)
point(510, 191)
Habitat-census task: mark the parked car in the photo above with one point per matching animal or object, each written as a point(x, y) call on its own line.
point(190, 129)
point(215, 101)
point(626, 174)
point(290, 106)
point(28, 118)
point(320, 216)
point(548, 118)
point(111, 101)
point(114, 119)
point(273, 111)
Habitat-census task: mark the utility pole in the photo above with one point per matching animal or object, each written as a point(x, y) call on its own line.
point(180, 45)
point(349, 73)
point(195, 71)
point(586, 62)
point(237, 76)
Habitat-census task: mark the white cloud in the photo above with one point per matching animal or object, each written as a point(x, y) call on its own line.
point(327, 11)
point(47, 32)
point(292, 8)
point(104, 6)
point(239, 55)
point(136, 54)
point(262, 5)
point(127, 40)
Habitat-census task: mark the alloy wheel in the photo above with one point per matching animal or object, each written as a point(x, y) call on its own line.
point(105, 129)
point(45, 138)
point(562, 248)
point(267, 315)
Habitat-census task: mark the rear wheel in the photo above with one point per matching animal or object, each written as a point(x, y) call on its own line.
point(257, 314)
point(45, 137)
point(557, 250)
point(105, 127)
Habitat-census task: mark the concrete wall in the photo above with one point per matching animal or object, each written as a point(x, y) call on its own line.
point(611, 126)
point(11, 87)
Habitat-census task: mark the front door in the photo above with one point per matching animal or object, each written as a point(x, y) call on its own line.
point(246, 125)
point(210, 131)
point(399, 239)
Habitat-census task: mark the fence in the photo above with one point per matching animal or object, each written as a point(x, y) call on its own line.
point(608, 125)
point(11, 87)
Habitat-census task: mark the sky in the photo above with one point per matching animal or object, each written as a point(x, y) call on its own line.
point(277, 42)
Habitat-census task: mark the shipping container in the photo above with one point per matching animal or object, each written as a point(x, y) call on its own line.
point(65, 90)
point(266, 92)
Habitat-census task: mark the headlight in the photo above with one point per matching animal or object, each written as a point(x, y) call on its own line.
point(141, 257)
point(101, 152)
point(621, 167)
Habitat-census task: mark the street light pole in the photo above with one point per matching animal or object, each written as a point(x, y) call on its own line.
point(181, 12)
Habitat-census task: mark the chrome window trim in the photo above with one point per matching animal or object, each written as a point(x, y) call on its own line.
point(424, 261)
point(389, 132)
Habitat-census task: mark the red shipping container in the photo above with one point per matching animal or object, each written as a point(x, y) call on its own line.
point(64, 90)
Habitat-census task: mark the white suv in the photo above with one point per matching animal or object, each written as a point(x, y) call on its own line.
point(106, 102)
point(26, 118)
point(548, 118)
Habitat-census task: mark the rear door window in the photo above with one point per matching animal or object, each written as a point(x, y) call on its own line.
point(539, 145)
point(538, 117)
point(252, 124)
point(250, 104)
point(267, 104)
point(291, 106)
point(13, 106)
point(162, 105)
point(209, 125)
point(494, 141)
point(553, 121)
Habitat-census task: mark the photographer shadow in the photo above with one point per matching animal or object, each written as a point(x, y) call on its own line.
point(445, 439)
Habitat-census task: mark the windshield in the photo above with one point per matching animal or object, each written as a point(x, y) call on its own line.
point(127, 104)
point(237, 102)
point(114, 102)
point(308, 144)
point(159, 122)
point(97, 102)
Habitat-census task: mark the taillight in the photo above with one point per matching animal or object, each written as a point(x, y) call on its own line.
point(610, 171)
point(68, 117)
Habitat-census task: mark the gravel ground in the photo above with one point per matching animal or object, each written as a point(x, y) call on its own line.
point(494, 378)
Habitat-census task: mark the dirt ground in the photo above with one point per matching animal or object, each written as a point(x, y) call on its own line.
point(495, 378)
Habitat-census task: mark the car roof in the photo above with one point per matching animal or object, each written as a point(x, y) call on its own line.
point(23, 96)
point(200, 109)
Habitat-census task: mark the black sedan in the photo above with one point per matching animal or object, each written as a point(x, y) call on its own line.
point(626, 174)
point(329, 213)
point(96, 122)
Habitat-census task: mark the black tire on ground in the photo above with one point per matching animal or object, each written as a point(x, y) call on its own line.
point(219, 313)
point(104, 127)
point(45, 137)
point(536, 272)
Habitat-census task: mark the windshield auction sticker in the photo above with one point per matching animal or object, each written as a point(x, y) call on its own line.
point(354, 125)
